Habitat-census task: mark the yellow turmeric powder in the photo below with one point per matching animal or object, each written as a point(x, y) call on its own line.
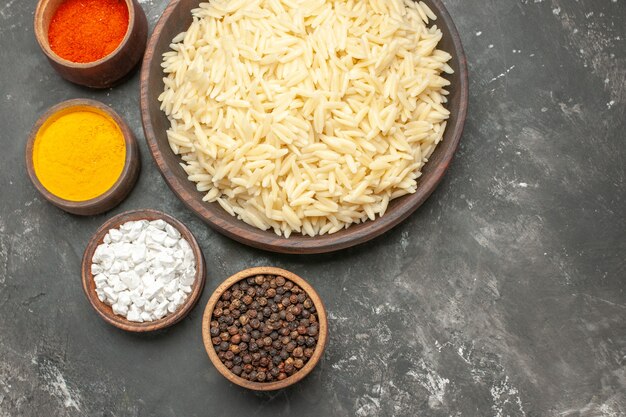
point(79, 153)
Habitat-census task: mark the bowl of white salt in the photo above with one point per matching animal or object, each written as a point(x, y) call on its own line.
point(143, 270)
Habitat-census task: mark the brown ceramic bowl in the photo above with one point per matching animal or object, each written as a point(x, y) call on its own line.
point(122, 186)
point(105, 310)
point(176, 19)
point(274, 385)
point(106, 71)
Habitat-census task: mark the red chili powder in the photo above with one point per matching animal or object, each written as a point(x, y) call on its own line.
point(87, 30)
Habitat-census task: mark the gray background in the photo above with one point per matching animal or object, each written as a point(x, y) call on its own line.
point(503, 295)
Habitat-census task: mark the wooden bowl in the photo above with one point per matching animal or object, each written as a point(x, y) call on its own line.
point(176, 19)
point(122, 186)
point(297, 376)
point(106, 71)
point(105, 311)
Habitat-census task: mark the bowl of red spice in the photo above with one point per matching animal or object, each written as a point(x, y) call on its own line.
point(94, 43)
point(265, 328)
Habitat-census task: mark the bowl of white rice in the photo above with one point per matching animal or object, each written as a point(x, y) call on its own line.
point(304, 126)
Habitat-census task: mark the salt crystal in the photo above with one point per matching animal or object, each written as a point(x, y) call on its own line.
point(172, 231)
point(138, 253)
point(119, 309)
point(159, 224)
point(115, 235)
point(124, 298)
point(134, 315)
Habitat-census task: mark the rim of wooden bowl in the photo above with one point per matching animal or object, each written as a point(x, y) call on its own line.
point(236, 229)
point(105, 311)
point(41, 34)
point(319, 348)
point(118, 191)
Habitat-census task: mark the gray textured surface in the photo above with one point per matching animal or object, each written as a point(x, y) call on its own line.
point(503, 295)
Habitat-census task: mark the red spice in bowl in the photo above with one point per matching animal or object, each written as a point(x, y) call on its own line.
point(87, 30)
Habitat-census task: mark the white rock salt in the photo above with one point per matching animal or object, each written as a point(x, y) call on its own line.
point(144, 270)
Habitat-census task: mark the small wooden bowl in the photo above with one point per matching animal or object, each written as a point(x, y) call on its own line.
point(105, 311)
point(175, 19)
point(122, 186)
point(106, 71)
point(275, 385)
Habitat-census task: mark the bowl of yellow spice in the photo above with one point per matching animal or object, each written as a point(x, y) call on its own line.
point(82, 157)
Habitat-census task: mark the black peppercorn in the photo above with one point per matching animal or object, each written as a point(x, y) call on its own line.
point(265, 328)
point(298, 352)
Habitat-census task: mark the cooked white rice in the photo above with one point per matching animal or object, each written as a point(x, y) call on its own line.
point(306, 115)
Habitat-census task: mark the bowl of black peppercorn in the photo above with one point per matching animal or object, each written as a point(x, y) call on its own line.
point(265, 328)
